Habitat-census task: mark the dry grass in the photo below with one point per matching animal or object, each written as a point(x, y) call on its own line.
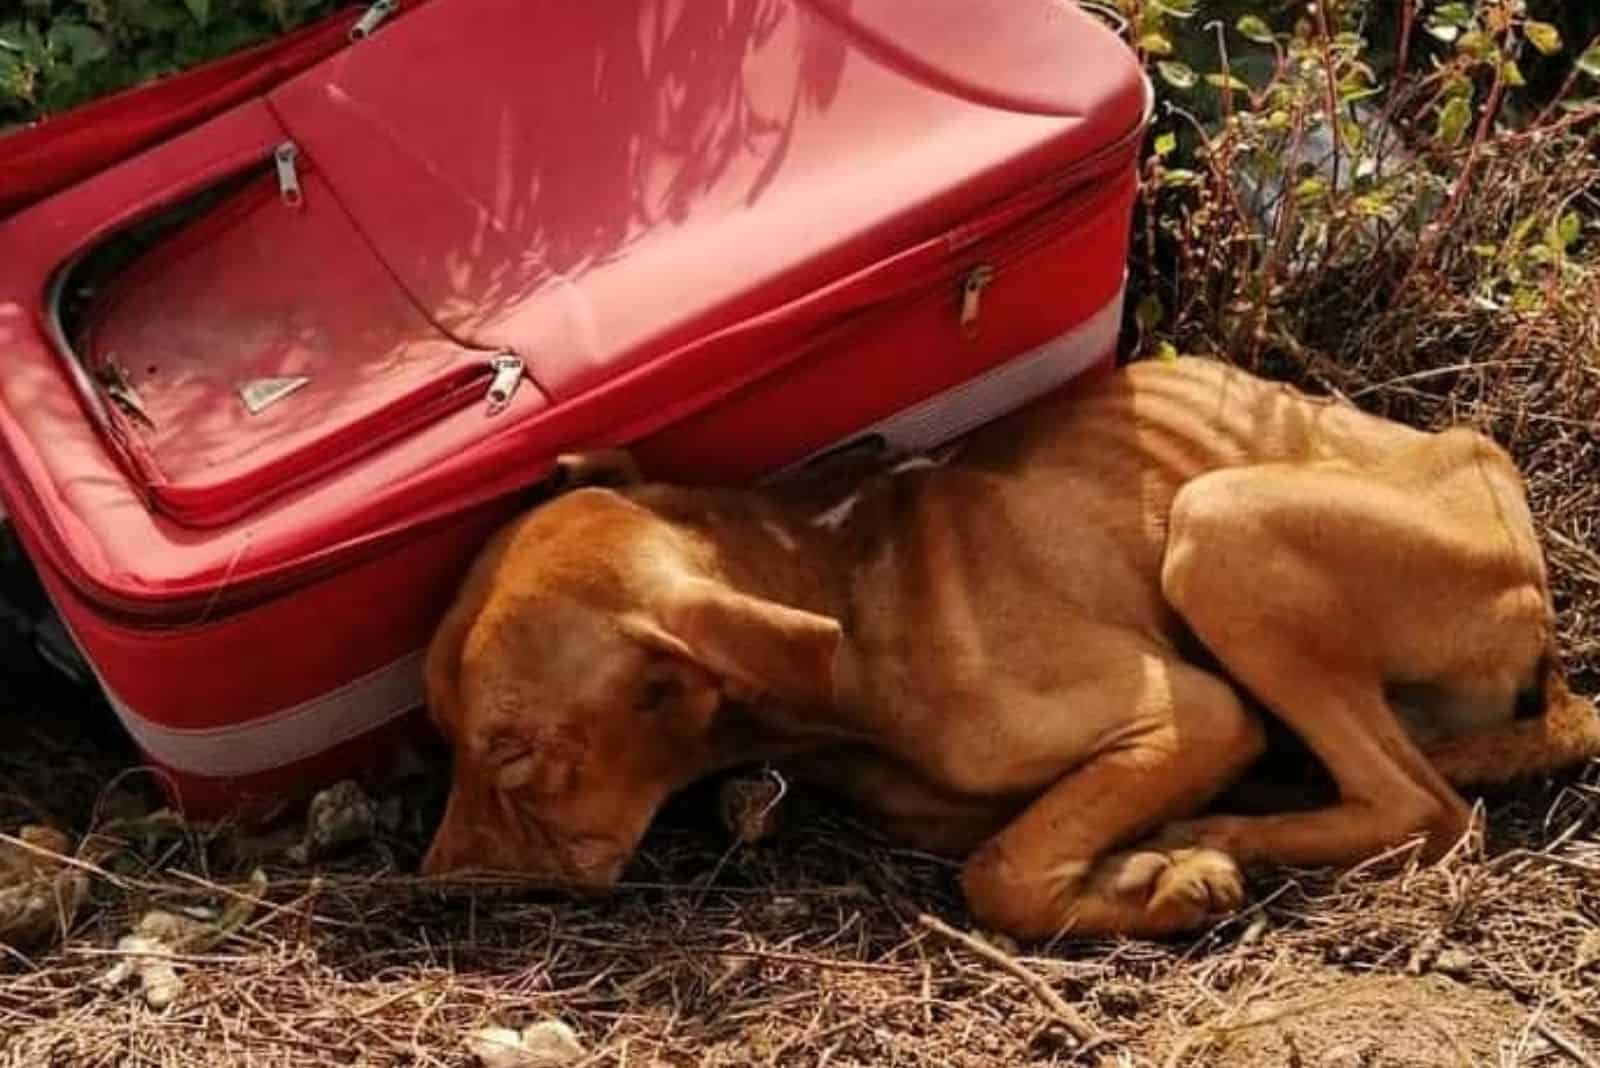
point(807, 949)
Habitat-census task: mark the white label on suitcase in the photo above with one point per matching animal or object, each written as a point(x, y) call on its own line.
point(383, 695)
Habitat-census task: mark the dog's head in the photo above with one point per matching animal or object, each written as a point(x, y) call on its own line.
point(601, 664)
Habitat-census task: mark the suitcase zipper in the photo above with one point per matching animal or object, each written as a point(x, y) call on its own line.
point(973, 283)
point(285, 158)
point(370, 19)
point(492, 380)
point(1006, 234)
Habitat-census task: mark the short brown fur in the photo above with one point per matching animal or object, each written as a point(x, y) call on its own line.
point(1046, 656)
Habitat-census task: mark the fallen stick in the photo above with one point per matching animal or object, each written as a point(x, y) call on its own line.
point(1564, 1044)
point(1082, 1030)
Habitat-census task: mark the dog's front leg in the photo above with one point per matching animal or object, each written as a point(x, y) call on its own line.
point(1054, 869)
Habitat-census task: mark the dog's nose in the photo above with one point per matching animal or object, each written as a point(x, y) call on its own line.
point(1530, 703)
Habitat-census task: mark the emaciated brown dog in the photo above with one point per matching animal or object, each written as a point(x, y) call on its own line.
point(1036, 656)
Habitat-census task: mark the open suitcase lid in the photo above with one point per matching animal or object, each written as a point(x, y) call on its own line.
point(557, 223)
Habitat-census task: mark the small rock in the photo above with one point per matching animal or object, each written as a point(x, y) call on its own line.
point(546, 1044)
point(160, 934)
point(159, 981)
point(1424, 953)
point(1456, 963)
point(1120, 999)
point(338, 818)
point(550, 1044)
point(496, 1047)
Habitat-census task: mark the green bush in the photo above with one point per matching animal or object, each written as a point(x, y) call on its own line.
point(55, 54)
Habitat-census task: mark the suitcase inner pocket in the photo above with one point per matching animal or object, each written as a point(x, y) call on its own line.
point(261, 344)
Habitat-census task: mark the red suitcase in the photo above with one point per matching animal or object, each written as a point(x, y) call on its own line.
point(252, 450)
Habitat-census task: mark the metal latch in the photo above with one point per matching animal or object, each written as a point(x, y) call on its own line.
point(375, 13)
point(285, 157)
point(508, 370)
point(972, 286)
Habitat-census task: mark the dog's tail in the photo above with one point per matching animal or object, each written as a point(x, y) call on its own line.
point(1566, 735)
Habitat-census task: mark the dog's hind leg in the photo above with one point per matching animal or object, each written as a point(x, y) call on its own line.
point(1314, 586)
point(1054, 870)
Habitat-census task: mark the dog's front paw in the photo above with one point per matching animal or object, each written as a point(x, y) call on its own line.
point(1178, 889)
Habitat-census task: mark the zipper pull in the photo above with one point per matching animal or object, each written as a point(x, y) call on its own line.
point(507, 368)
point(972, 287)
point(284, 157)
point(376, 12)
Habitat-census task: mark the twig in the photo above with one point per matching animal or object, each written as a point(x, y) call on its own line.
point(1085, 1032)
point(1565, 1045)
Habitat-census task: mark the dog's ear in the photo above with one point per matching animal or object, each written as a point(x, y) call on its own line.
point(756, 646)
point(598, 467)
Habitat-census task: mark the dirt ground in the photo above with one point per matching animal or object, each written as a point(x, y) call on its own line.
point(806, 949)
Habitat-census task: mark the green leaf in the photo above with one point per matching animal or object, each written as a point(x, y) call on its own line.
point(1454, 14)
point(1453, 120)
point(1228, 81)
point(1149, 312)
point(78, 42)
point(1179, 178)
point(200, 10)
point(1476, 44)
point(16, 78)
point(1568, 228)
point(1157, 44)
point(1167, 352)
point(1374, 205)
point(1178, 9)
point(1310, 189)
point(1254, 28)
point(1543, 36)
point(1589, 62)
point(1512, 74)
point(1166, 143)
point(1351, 133)
point(1178, 75)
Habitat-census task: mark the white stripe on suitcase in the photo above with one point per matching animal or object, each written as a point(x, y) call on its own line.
point(379, 697)
point(992, 394)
